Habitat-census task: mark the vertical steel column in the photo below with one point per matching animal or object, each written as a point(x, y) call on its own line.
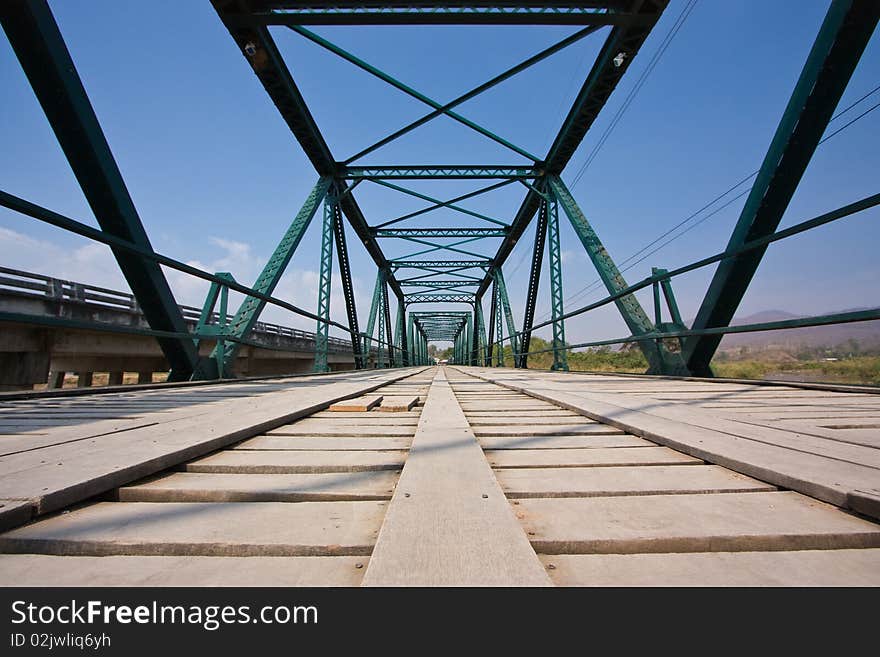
point(399, 337)
point(371, 321)
point(348, 288)
point(478, 354)
point(249, 311)
point(508, 314)
point(324, 282)
point(493, 313)
point(845, 32)
point(470, 339)
point(42, 53)
point(205, 326)
point(389, 330)
point(499, 325)
point(410, 340)
point(404, 334)
point(534, 280)
point(660, 359)
point(560, 355)
point(380, 312)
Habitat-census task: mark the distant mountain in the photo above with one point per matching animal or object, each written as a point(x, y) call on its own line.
point(866, 333)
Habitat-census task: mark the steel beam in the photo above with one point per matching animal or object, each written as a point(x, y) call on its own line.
point(40, 48)
point(439, 284)
point(439, 298)
point(440, 232)
point(389, 329)
point(504, 300)
point(560, 357)
point(842, 39)
point(342, 12)
point(426, 264)
point(324, 280)
point(490, 338)
point(532, 292)
point(440, 172)
point(348, 289)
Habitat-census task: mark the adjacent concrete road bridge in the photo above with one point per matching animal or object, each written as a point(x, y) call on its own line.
point(493, 477)
point(46, 344)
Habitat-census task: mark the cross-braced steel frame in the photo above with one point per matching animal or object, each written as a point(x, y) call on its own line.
point(447, 265)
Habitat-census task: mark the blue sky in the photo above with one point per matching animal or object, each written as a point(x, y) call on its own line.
point(217, 176)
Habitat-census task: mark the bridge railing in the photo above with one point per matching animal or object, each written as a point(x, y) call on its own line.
point(40, 286)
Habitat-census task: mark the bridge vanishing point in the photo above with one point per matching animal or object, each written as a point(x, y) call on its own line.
point(395, 471)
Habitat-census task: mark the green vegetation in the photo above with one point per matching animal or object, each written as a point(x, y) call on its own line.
point(848, 362)
point(855, 369)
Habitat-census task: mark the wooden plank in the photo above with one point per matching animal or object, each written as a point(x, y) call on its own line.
point(321, 428)
point(50, 571)
point(399, 404)
point(371, 418)
point(691, 523)
point(706, 436)
point(356, 405)
point(191, 529)
point(613, 481)
point(538, 429)
point(199, 487)
point(801, 568)
point(478, 423)
point(621, 440)
point(585, 458)
point(297, 461)
point(323, 442)
point(54, 477)
point(448, 523)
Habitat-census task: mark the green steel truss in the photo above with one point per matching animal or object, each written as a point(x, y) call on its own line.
point(439, 298)
point(328, 229)
point(448, 172)
point(446, 262)
point(440, 232)
point(560, 358)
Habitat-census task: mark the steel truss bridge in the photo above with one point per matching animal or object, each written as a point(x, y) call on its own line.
point(449, 264)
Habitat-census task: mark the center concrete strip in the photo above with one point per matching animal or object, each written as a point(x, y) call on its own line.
point(449, 523)
point(57, 476)
point(749, 450)
point(236, 529)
